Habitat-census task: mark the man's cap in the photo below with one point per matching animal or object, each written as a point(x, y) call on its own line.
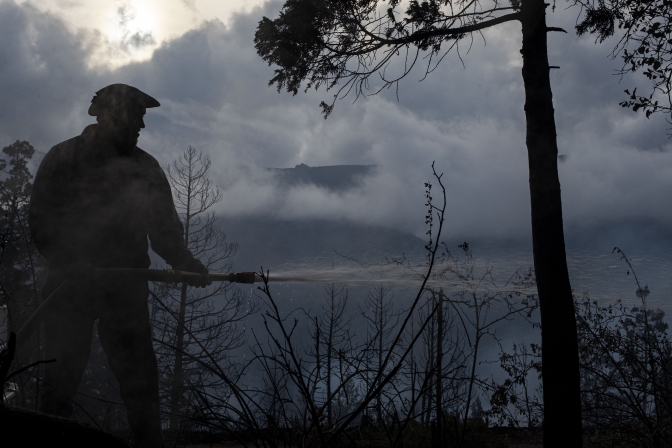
point(119, 97)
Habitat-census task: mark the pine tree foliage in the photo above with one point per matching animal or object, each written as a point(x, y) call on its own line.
point(318, 43)
point(21, 267)
point(644, 33)
point(20, 263)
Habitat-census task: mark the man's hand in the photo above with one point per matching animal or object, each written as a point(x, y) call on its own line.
point(82, 271)
point(193, 265)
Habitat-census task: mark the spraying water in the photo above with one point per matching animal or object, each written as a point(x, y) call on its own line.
point(403, 275)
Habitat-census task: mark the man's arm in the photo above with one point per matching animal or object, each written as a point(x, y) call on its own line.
point(166, 232)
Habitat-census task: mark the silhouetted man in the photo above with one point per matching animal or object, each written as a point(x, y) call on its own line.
point(96, 200)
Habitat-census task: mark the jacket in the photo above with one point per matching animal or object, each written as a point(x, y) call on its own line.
point(92, 204)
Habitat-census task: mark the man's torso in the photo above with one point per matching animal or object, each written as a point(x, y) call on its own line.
point(99, 202)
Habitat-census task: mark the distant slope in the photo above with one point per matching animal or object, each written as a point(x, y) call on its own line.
point(336, 177)
point(273, 243)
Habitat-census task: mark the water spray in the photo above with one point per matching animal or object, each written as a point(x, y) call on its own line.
point(390, 275)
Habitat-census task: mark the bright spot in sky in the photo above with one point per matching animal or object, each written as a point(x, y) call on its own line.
point(138, 18)
point(132, 29)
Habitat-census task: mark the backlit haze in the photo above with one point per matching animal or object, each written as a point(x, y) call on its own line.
point(132, 30)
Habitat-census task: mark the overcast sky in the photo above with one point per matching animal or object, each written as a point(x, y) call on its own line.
point(197, 58)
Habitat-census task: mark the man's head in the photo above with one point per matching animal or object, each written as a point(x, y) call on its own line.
point(119, 110)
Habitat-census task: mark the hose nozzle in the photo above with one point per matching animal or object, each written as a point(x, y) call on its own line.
point(245, 277)
point(233, 277)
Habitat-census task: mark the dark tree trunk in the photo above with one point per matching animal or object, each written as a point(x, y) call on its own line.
point(560, 362)
point(429, 391)
point(176, 391)
point(439, 369)
point(379, 399)
point(330, 348)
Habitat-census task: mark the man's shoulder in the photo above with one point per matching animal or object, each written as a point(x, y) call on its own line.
point(146, 164)
point(145, 158)
point(65, 150)
point(67, 145)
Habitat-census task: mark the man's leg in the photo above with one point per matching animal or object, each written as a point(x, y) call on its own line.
point(126, 337)
point(67, 333)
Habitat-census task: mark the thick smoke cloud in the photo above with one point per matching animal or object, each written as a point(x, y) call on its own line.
point(616, 166)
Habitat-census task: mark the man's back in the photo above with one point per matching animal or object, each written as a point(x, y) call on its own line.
point(91, 203)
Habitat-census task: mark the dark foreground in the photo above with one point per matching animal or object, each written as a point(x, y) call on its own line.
point(22, 428)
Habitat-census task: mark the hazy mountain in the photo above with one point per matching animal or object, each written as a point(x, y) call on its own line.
point(275, 244)
point(336, 177)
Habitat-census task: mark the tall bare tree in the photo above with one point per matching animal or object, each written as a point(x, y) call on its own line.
point(196, 325)
point(382, 319)
point(332, 339)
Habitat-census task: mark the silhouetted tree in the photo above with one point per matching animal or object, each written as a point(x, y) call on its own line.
point(644, 44)
point(280, 356)
point(445, 357)
point(190, 324)
point(21, 267)
point(469, 322)
point(516, 401)
point(429, 339)
point(341, 44)
point(626, 365)
point(381, 319)
point(332, 343)
point(626, 372)
point(20, 262)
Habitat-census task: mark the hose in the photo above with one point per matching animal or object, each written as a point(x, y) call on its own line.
point(152, 275)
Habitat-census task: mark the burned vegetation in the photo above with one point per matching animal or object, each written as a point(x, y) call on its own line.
point(239, 367)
